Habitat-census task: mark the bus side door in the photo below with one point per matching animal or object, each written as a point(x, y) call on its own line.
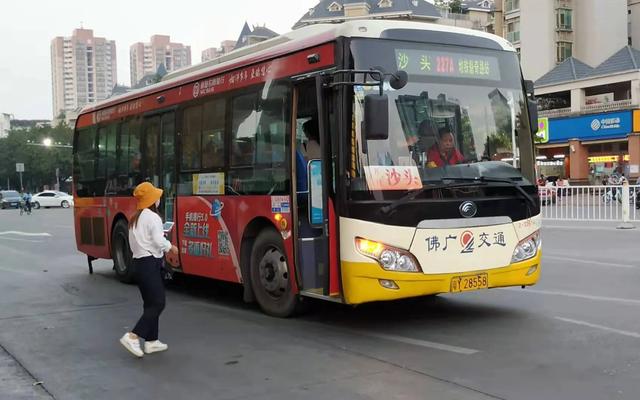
point(159, 165)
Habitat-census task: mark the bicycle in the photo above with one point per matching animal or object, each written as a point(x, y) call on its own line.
point(24, 208)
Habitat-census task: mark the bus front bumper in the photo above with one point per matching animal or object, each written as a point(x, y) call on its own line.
point(363, 282)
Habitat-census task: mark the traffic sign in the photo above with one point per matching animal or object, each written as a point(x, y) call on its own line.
point(19, 167)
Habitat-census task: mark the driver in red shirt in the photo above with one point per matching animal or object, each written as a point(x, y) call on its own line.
point(444, 152)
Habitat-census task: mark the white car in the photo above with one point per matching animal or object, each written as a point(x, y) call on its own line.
point(52, 198)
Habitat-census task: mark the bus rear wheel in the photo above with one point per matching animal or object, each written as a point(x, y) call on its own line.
point(121, 252)
point(270, 278)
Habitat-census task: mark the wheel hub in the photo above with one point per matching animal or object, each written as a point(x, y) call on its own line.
point(274, 274)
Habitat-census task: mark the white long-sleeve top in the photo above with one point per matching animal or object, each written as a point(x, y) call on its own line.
point(147, 237)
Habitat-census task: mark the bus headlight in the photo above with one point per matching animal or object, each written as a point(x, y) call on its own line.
point(389, 258)
point(527, 248)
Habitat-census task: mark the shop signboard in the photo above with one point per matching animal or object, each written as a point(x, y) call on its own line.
point(613, 125)
point(543, 131)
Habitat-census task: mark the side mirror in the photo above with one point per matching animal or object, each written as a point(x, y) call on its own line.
point(529, 88)
point(533, 116)
point(376, 117)
point(399, 80)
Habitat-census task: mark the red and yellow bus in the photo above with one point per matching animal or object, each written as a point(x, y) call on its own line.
point(422, 180)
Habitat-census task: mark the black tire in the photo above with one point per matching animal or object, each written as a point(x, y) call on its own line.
point(64, 204)
point(270, 278)
point(36, 205)
point(121, 252)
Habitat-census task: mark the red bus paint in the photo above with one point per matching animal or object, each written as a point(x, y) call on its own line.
point(209, 241)
point(212, 84)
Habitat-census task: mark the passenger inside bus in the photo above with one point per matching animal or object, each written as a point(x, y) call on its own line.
point(311, 147)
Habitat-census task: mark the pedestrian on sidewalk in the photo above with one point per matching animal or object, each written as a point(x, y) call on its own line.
point(148, 245)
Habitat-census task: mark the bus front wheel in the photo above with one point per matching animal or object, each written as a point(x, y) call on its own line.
point(121, 252)
point(270, 278)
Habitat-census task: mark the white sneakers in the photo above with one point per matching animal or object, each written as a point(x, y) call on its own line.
point(133, 346)
point(154, 347)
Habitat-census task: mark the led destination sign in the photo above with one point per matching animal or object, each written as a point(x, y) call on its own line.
point(447, 64)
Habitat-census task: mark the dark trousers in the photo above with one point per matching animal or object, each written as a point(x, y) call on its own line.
point(148, 274)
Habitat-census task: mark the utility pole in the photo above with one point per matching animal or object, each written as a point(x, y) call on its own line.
point(20, 170)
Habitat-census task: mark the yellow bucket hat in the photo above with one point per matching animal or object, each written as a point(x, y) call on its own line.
point(146, 194)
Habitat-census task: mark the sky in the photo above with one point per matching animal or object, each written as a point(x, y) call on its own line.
point(28, 26)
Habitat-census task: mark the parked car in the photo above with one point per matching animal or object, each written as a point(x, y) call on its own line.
point(52, 198)
point(9, 199)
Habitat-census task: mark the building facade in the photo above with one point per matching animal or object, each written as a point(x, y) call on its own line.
point(633, 14)
point(5, 125)
point(547, 32)
point(83, 69)
point(145, 58)
point(226, 47)
point(335, 11)
point(473, 14)
point(589, 118)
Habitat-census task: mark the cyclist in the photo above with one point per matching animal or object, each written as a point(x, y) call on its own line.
point(26, 202)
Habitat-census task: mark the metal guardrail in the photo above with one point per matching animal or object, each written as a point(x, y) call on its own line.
point(587, 108)
point(557, 112)
point(591, 203)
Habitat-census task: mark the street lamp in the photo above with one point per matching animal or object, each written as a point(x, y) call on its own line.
point(47, 142)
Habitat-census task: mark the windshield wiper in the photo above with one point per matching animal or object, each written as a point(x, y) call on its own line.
point(412, 195)
point(531, 203)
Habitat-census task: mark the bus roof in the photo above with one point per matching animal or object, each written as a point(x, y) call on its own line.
point(304, 38)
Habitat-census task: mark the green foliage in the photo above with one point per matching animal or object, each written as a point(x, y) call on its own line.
point(40, 162)
point(455, 6)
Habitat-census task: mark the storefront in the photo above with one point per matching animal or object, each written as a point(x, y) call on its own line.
point(589, 147)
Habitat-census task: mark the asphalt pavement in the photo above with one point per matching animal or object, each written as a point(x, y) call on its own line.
point(575, 335)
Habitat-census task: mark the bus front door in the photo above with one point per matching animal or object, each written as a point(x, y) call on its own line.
point(312, 241)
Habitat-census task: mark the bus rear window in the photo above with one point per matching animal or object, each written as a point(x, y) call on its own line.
point(86, 155)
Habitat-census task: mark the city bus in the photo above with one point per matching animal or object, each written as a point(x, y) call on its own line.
point(422, 182)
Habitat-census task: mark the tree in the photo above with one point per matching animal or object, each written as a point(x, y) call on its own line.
point(23, 146)
point(455, 6)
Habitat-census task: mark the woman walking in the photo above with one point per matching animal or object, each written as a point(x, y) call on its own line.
point(148, 245)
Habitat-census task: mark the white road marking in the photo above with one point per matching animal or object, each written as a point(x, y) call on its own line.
point(582, 261)
point(418, 342)
point(577, 296)
point(393, 338)
point(604, 328)
point(18, 233)
point(21, 240)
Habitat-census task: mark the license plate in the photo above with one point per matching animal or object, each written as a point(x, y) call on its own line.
point(469, 282)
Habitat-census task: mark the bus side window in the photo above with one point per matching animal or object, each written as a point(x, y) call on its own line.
point(259, 154)
point(213, 154)
point(85, 161)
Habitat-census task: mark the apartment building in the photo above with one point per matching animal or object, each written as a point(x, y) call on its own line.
point(547, 32)
point(83, 69)
point(472, 14)
point(145, 58)
point(5, 124)
point(335, 11)
point(226, 47)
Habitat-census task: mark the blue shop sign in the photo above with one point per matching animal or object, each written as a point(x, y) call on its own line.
point(613, 125)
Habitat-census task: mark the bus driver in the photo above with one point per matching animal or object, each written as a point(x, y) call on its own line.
point(444, 151)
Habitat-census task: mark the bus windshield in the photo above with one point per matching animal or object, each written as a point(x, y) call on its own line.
point(462, 115)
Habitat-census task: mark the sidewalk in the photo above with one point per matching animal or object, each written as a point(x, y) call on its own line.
point(16, 383)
